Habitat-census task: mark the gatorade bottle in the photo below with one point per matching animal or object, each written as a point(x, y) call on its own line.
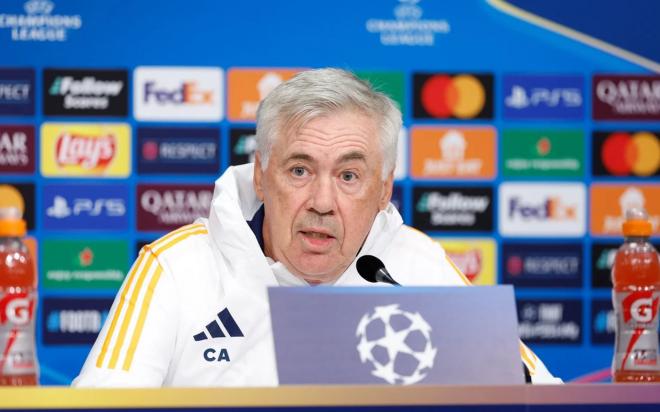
point(636, 279)
point(18, 296)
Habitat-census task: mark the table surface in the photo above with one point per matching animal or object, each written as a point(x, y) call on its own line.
point(311, 396)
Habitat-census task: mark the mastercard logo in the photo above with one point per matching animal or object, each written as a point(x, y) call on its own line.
point(460, 96)
point(624, 153)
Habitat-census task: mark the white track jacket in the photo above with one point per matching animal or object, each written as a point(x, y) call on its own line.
point(163, 327)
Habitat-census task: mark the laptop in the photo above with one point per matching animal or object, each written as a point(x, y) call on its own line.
point(396, 336)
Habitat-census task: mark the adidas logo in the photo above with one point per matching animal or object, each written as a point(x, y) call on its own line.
point(231, 328)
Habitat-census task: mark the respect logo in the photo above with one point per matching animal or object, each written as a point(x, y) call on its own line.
point(17, 92)
point(85, 150)
point(453, 96)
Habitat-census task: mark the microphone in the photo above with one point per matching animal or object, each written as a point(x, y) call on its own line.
point(373, 270)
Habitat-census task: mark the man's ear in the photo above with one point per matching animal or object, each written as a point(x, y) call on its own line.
point(386, 194)
point(256, 177)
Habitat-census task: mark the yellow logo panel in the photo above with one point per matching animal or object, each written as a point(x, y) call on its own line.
point(474, 257)
point(85, 149)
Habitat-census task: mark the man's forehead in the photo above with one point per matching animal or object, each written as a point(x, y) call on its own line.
point(338, 157)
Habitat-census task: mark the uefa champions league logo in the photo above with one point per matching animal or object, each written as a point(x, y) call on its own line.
point(397, 344)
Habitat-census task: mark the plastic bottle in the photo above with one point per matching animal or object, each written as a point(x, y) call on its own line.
point(18, 297)
point(635, 297)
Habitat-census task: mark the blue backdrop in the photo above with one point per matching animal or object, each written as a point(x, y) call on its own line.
point(554, 50)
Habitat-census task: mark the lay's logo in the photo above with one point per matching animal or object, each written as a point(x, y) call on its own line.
point(85, 151)
point(475, 257)
point(80, 149)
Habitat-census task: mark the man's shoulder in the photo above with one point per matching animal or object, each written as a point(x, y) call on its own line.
point(185, 242)
point(411, 240)
point(416, 259)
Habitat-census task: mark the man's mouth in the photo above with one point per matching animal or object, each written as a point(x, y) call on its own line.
point(317, 241)
point(317, 235)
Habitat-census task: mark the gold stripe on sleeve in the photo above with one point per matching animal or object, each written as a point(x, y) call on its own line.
point(132, 303)
point(463, 277)
point(140, 322)
point(120, 307)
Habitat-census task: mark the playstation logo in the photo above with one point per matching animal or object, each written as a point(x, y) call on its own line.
point(518, 98)
point(60, 208)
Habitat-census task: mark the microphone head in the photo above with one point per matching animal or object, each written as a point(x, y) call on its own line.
point(367, 266)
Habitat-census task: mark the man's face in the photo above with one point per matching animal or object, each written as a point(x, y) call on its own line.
point(321, 191)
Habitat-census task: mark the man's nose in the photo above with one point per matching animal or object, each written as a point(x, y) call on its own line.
point(322, 199)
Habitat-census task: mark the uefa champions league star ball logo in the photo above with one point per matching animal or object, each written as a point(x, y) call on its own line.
point(397, 344)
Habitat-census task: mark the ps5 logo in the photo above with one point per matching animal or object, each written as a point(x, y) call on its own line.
point(61, 209)
point(543, 96)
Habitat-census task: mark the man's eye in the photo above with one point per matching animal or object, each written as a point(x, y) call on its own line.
point(298, 171)
point(348, 176)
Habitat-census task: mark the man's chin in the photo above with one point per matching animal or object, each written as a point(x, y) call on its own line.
point(316, 272)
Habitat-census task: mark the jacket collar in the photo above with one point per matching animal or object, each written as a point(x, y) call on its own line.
point(235, 202)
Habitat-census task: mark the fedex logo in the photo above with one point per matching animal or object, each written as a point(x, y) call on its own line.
point(85, 207)
point(188, 93)
point(178, 94)
point(542, 209)
point(551, 208)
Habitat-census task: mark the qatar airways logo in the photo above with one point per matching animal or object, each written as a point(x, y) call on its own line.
point(166, 207)
point(85, 151)
point(626, 97)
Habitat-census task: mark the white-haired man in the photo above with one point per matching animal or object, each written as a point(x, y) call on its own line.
point(316, 198)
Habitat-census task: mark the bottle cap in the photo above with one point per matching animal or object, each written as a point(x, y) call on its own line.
point(11, 212)
point(637, 223)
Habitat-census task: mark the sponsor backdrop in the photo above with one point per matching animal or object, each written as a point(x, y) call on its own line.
point(521, 145)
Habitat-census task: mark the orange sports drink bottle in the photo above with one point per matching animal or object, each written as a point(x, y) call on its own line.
point(636, 279)
point(18, 296)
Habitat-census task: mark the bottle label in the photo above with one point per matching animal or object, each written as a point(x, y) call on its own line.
point(637, 331)
point(17, 352)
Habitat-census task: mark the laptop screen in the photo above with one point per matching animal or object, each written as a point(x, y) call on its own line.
point(382, 335)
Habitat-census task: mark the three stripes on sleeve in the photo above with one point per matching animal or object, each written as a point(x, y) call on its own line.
point(132, 304)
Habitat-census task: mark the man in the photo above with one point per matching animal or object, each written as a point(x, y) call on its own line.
point(316, 198)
